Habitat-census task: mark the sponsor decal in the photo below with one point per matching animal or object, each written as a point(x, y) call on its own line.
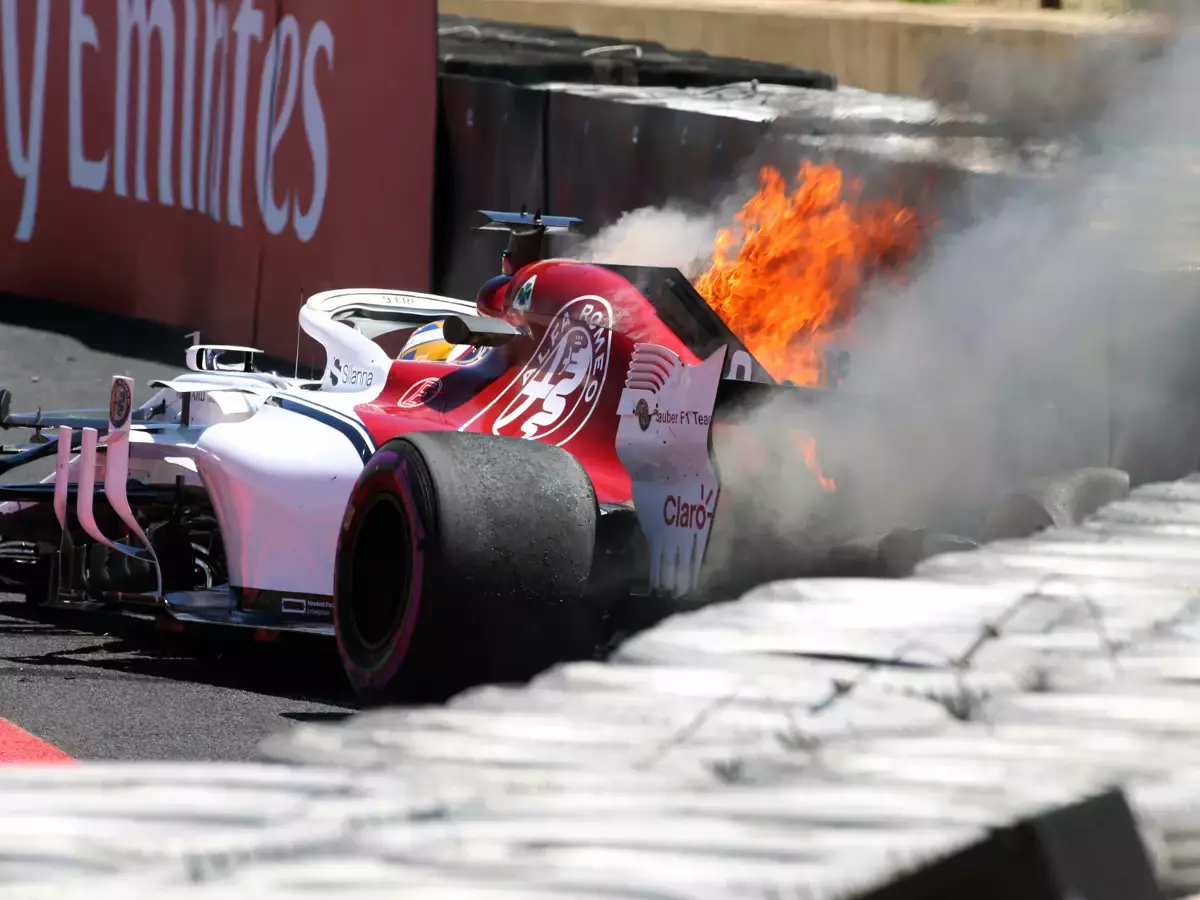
point(298, 606)
point(557, 390)
point(345, 373)
point(120, 403)
point(642, 411)
point(420, 393)
point(681, 513)
point(683, 417)
point(524, 299)
point(227, 86)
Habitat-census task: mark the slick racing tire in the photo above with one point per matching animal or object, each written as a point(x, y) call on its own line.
point(463, 559)
point(1058, 501)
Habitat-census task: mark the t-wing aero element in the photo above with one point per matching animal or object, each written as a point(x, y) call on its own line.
point(526, 234)
point(525, 221)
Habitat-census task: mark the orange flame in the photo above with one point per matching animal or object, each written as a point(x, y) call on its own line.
point(808, 446)
point(791, 271)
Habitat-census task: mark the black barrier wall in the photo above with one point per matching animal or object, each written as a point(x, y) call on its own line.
point(625, 156)
point(505, 146)
point(1091, 848)
point(608, 169)
point(506, 140)
point(594, 153)
point(598, 155)
point(491, 155)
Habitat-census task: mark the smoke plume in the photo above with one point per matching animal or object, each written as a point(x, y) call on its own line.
point(1055, 332)
point(655, 237)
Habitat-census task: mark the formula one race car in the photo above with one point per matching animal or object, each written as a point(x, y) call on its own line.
point(466, 494)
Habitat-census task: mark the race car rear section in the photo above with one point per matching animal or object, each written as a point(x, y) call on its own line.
point(737, 482)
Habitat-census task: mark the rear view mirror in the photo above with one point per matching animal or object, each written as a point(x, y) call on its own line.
point(478, 331)
point(221, 358)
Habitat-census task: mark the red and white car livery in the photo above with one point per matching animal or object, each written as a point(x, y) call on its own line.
point(240, 497)
point(550, 476)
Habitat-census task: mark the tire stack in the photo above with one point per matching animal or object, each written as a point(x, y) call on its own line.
point(596, 127)
point(966, 727)
point(527, 54)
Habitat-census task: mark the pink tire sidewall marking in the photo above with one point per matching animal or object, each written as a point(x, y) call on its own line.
point(382, 470)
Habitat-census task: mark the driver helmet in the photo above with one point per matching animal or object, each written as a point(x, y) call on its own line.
point(428, 344)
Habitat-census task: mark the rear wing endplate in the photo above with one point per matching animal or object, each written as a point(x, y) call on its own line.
point(665, 442)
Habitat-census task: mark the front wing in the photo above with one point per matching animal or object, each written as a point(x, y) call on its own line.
point(91, 492)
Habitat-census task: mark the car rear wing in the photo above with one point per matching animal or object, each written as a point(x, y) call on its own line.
point(700, 449)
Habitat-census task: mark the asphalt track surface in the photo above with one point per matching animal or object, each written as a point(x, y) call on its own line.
point(115, 690)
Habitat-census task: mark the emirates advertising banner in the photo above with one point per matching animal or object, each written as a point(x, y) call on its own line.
point(204, 163)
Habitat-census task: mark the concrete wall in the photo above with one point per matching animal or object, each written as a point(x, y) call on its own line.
point(879, 46)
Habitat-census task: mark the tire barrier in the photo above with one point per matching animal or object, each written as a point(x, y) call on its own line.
point(874, 45)
point(598, 151)
point(628, 154)
point(527, 54)
point(492, 148)
point(1019, 720)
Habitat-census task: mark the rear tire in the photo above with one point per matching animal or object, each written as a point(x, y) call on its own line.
point(463, 559)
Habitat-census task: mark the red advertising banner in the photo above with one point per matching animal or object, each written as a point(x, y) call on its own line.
point(203, 162)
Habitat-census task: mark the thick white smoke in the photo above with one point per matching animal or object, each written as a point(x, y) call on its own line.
point(655, 237)
point(1056, 332)
point(1052, 334)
